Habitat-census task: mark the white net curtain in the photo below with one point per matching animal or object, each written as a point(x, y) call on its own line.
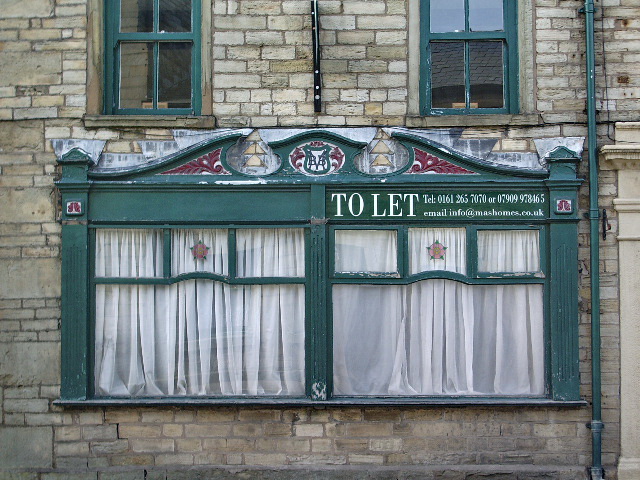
point(202, 337)
point(366, 250)
point(199, 337)
point(441, 337)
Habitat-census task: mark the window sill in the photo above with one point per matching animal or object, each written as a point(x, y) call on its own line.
point(148, 121)
point(529, 119)
point(336, 402)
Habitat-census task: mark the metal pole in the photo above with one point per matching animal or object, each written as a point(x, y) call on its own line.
point(317, 78)
point(596, 424)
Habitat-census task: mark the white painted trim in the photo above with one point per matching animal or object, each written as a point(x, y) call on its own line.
point(629, 468)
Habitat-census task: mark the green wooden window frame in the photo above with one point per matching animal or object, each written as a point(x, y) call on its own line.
point(143, 198)
point(114, 39)
point(509, 38)
point(472, 277)
point(230, 278)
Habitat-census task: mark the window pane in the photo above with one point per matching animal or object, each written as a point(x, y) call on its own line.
point(372, 251)
point(486, 69)
point(174, 82)
point(485, 15)
point(136, 75)
point(437, 249)
point(270, 252)
point(199, 337)
point(447, 75)
point(509, 251)
point(447, 15)
point(128, 253)
point(203, 250)
point(136, 16)
point(438, 337)
point(175, 16)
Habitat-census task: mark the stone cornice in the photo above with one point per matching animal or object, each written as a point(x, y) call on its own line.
point(627, 205)
point(621, 157)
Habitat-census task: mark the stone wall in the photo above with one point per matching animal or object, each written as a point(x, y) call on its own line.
point(260, 53)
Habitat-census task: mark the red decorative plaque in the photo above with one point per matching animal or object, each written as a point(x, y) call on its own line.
point(208, 164)
point(426, 163)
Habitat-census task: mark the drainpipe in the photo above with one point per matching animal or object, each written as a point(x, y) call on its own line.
point(596, 424)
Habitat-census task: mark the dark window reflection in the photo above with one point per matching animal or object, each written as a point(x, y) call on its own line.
point(174, 72)
point(447, 75)
point(136, 75)
point(486, 74)
point(485, 15)
point(175, 15)
point(447, 16)
point(136, 16)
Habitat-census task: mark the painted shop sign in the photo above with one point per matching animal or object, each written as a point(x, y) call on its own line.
point(429, 205)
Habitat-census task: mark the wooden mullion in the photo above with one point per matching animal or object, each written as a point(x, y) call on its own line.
point(156, 72)
point(467, 77)
point(319, 356)
point(166, 253)
point(466, 15)
point(232, 253)
point(156, 16)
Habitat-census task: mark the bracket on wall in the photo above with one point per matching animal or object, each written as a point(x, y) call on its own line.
point(317, 78)
point(606, 226)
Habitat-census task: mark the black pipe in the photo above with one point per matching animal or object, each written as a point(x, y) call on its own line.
point(317, 79)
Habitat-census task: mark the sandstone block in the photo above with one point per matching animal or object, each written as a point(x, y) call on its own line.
point(338, 22)
point(234, 81)
point(311, 430)
point(264, 38)
point(109, 448)
point(382, 22)
point(360, 7)
point(26, 447)
point(37, 68)
point(285, 22)
point(355, 37)
point(27, 8)
point(32, 278)
point(228, 38)
point(23, 363)
point(152, 445)
point(21, 136)
point(33, 405)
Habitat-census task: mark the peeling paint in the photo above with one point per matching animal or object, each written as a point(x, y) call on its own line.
point(117, 161)
point(188, 138)
point(93, 148)
point(260, 181)
point(319, 391)
point(547, 145)
point(364, 135)
point(157, 149)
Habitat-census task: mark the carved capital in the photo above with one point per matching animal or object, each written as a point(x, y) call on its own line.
point(621, 157)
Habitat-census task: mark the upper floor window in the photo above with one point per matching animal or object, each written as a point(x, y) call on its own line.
point(152, 57)
point(469, 57)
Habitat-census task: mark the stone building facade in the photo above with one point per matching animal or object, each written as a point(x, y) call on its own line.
point(257, 73)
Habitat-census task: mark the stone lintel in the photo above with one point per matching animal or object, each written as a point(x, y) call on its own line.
point(528, 120)
point(148, 121)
